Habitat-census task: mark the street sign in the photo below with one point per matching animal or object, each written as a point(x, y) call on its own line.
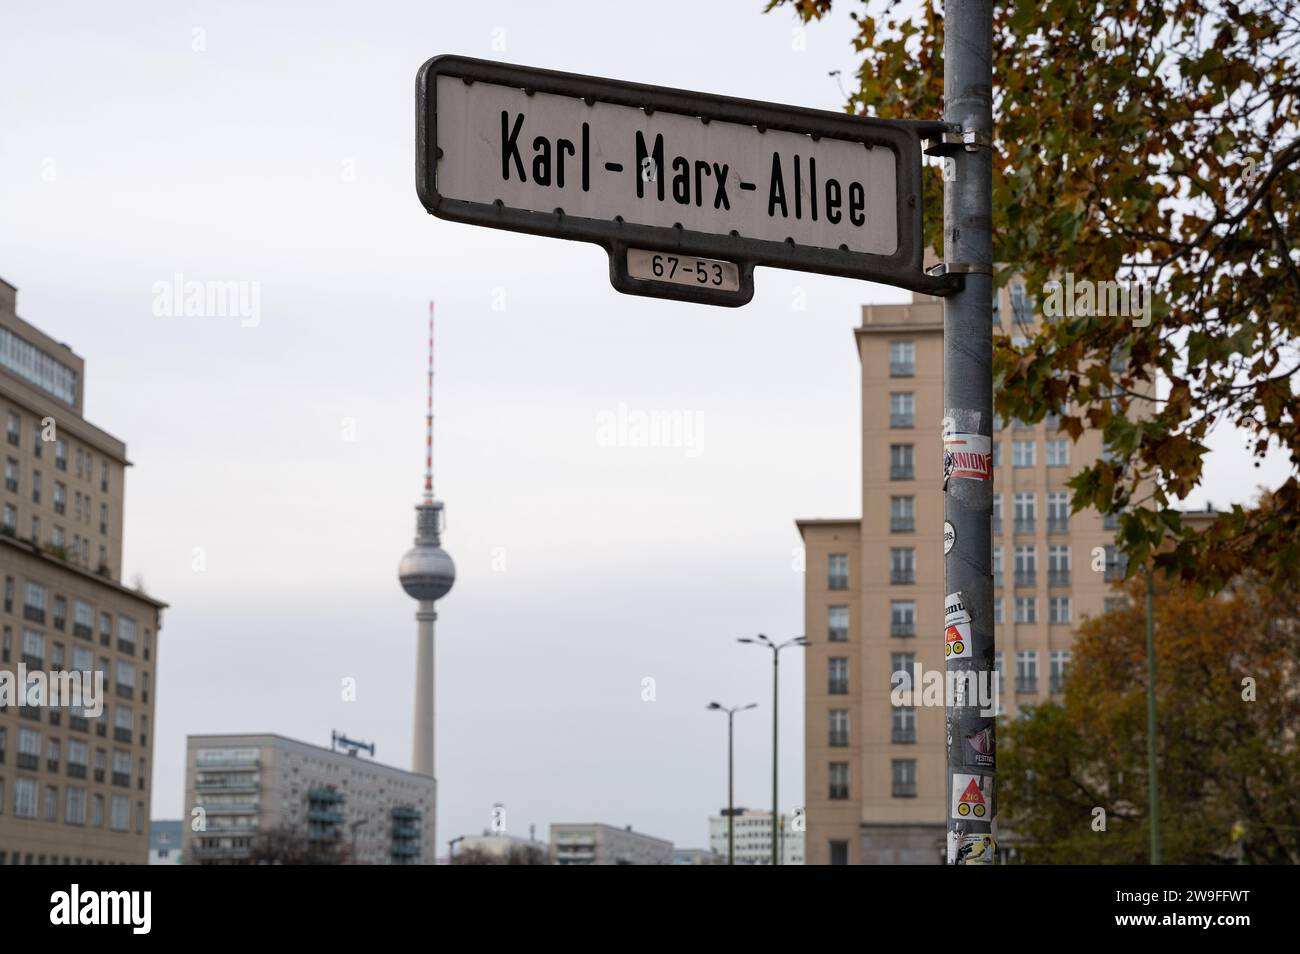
point(686, 192)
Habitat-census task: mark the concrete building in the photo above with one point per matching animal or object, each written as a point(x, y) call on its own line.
point(753, 830)
point(499, 845)
point(597, 844)
point(251, 785)
point(165, 843)
point(74, 787)
point(697, 856)
point(875, 775)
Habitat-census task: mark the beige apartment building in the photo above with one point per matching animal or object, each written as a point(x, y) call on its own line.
point(875, 774)
point(74, 789)
point(238, 787)
point(598, 844)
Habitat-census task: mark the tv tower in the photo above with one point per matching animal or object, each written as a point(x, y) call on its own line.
point(427, 573)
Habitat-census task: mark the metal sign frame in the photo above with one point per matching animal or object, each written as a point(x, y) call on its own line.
point(903, 269)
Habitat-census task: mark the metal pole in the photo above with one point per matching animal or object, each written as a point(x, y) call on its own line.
point(1153, 785)
point(970, 807)
point(776, 657)
point(731, 790)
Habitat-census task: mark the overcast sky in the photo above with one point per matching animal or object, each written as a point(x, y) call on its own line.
point(272, 143)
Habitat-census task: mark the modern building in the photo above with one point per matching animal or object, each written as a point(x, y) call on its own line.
point(753, 832)
point(875, 775)
point(240, 787)
point(74, 781)
point(165, 843)
point(426, 573)
point(597, 844)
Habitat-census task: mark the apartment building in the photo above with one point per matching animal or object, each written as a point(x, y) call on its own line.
point(239, 787)
point(597, 844)
point(753, 834)
point(874, 773)
point(74, 787)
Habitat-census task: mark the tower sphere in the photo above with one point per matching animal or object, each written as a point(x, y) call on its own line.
point(427, 572)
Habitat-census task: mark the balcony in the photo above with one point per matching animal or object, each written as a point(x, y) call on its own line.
point(838, 687)
point(29, 761)
point(82, 631)
point(904, 790)
point(901, 420)
point(99, 775)
point(1027, 685)
point(126, 647)
point(125, 692)
point(902, 524)
point(80, 723)
point(1058, 682)
point(901, 628)
point(902, 577)
point(997, 577)
point(122, 779)
point(1026, 577)
point(838, 582)
point(33, 613)
point(33, 662)
point(839, 739)
point(122, 735)
point(901, 735)
point(1025, 525)
point(1114, 573)
point(105, 639)
point(1058, 577)
point(76, 771)
point(837, 634)
point(1058, 525)
point(901, 369)
point(13, 438)
point(899, 472)
point(405, 850)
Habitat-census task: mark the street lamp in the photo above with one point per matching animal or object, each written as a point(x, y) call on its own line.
point(451, 849)
point(776, 648)
point(731, 774)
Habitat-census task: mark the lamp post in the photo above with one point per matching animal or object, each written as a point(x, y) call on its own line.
point(451, 849)
point(731, 774)
point(1153, 768)
point(776, 648)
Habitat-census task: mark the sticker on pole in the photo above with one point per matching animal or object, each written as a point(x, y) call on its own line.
point(956, 626)
point(971, 848)
point(972, 796)
point(967, 457)
point(980, 752)
point(949, 537)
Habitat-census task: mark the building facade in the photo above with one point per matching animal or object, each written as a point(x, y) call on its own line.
point(597, 844)
point(165, 843)
point(875, 774)
point(753, 833)
point(240, 787)
point(74, 785)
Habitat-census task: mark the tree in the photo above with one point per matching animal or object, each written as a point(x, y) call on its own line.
point(1153, 141)
point(517, 855)
point(287, 845)
point(1229, 755)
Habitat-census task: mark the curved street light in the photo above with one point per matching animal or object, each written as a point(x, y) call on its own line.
point(731, 774)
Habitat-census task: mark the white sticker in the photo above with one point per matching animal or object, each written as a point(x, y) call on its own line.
point(968, 456)
point(971, 848)
point(954, 610)
point(949, 537)
point(972, 797)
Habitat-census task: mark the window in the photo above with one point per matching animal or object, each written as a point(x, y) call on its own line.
point(1025, 511)
point(125, 674)
point(57, 538)
point(838, 676)
point(1058, 453)
point(126, 634)
point(1060, 663)
point(1026, 565)
point(11, 519)
point(1058, 512)
point(1058, 564)
point(998, 615)
point(60, 497)
point(1052, 423)
point(83, 619)
point(997, 453)
point(105, 629)
point(121, 819)
point(997, 306)
point(838, 571)
point(1116, 565)
point(837, 624)
point(51, 803)
point(903, 774)
point(1027, 671)
point(997, 665)
point(97, 811)
point(25, 798)
point(15, 429)
point(902, 514)
point(60, 454)
point(1026, 610)
point(81, 462)
point(29, 748)
point(902, 617)
point(33, 649)
point(1022, 453)
point(78, 756)
point(900, 462)
point(902, 729)
point(997, 513)
point(75, 806)
point(839, 727)
point(36, 529)
point(103, 476)
point(1114, 604)
point(902, 663)
point(1058, 609)
point(901, 409)
point(1021, 309)
point(997, 566)
point(902, 359)
point(123, 722)
point(11, 475)
point(60, 612)
point(839, 780)
point(103, 518)
point(52, 754)
point(35, 602)
point(839, 852)
point(902, 565)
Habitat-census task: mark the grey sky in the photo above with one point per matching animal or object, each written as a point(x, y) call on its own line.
point(282, 154)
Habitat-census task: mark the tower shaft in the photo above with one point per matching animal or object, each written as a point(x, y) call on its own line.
point(422, 751)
